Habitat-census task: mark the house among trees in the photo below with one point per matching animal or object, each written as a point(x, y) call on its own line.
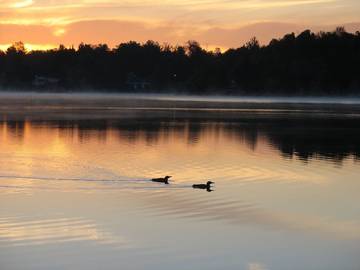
point(43, 81)
point(133, 82)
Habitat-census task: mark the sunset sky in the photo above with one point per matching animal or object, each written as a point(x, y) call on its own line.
point(214, 23)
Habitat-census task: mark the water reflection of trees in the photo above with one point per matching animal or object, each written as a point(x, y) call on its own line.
point(305, 139)
point(332, 139)
point(16, 129)
point(325, 140)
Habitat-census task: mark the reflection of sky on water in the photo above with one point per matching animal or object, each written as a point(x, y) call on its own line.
point(79, 190)
point(46, 231)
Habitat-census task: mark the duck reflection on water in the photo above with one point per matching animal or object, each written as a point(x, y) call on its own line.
point(164, 180)
point(206, 186)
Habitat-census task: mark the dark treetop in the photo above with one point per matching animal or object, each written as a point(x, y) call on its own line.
point(306, 64)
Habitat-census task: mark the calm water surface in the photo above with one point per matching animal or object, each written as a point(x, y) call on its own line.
point(75, 194)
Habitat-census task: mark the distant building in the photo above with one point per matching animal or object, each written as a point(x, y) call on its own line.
point(43, 81)
point(133, 82)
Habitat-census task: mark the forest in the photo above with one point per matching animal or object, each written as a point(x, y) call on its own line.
point(324, 63)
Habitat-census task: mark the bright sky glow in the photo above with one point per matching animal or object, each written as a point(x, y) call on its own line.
point(214, 23)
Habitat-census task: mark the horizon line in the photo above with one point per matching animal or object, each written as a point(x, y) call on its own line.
point(31, 46)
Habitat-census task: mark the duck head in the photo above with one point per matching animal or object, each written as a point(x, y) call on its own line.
point(166, 178)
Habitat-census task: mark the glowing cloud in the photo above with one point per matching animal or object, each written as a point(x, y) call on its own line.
point(215, 23)
point(59, 32)
point(22, 4)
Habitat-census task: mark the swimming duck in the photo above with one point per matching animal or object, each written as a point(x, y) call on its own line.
point(206, 186)
point(162, 179)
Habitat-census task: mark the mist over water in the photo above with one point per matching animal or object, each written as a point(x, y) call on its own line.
point(175, 96)
point(75, 190)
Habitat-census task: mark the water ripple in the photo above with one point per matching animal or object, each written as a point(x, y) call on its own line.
point(22, 232)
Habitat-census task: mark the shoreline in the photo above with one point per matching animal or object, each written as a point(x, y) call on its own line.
point(52, 106)
point(67, 102)
point(80, 95)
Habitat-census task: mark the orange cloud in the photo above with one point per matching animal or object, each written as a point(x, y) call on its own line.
point(22, 4)
point(212, 22)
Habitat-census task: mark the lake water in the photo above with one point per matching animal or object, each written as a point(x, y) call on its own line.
point(75, 190)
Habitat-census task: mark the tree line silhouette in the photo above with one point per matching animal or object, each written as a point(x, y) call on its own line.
point(304, 64)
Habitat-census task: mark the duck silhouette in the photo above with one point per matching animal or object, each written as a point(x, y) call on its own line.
point(206, 186)
point(164, 180)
